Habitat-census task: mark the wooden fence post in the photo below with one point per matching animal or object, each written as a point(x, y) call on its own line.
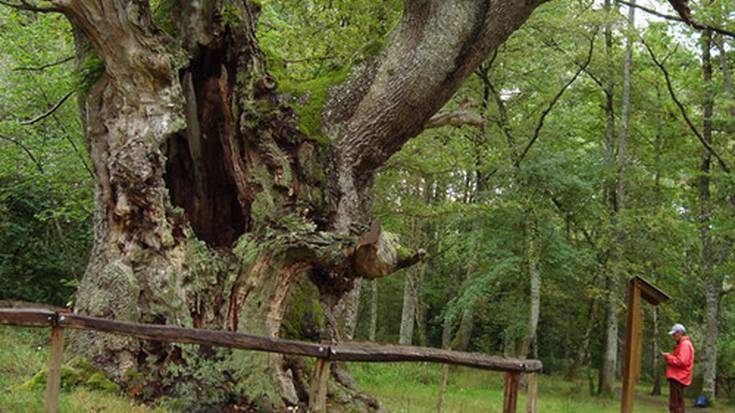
point(318, 390)
point(633, 347)
point(510, 392)
point(532, 393)
point(53, 380)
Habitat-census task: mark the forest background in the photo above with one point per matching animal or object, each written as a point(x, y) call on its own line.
point(587, 150)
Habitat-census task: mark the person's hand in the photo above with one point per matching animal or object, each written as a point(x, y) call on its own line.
point(664, 354)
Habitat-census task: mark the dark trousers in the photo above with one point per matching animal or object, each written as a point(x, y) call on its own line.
point(676, 396)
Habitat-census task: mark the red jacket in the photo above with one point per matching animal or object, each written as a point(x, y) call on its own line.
point(681, 362)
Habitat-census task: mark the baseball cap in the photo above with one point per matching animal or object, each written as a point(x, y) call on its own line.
point(678, 328)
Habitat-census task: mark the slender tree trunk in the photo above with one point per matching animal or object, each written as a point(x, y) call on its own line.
point(373, 327)
point(443, 388)
point(617, 200)
point(446, 342)
point(583, 348)
point(464, 332)
point(533, 255)
point(566, 352)
point(712, 282)
point(460, 343)
point(461, 339)
point(421, 338)
point(410, 301)
point(609, 361)
point(656, 359)
point(726, 77)
point(607, 373)
point(656, 364)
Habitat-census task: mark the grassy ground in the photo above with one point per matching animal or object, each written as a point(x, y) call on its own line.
point(414, 388)
point(23, 353)
point(403, 388)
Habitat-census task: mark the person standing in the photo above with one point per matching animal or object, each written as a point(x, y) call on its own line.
point(680, 366)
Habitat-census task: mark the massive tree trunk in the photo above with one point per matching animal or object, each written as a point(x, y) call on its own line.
point(212, 204)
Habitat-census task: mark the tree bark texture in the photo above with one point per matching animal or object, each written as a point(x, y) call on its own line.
point(609, 362)
point(211, 203)
point(711, 280)
point(350, 307)
point(410, 305)
point(533, 254)
point(373, 327)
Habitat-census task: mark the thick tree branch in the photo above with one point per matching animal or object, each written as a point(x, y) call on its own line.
point(382, 106)
point(44, 66)
point(688, 21)
point(25, 149)
point(456, 118)
point(378, 254)
point(384, 103)
point(682, 109)
point(49, 112)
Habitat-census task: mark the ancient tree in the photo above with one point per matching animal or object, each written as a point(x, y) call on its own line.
point(212, 203)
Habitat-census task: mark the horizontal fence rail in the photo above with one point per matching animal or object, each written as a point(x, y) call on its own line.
point(358, 351)
point(346, 351)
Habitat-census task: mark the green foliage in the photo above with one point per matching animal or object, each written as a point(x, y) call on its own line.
point(42, 253)
point(478, 240)
point(45, 184)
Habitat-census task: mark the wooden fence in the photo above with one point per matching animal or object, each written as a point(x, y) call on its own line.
point(326, 353)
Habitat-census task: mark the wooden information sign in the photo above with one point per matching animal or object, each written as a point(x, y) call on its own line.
point(638, 289)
